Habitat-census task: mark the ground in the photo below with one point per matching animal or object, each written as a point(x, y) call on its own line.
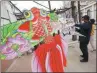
point(23, 64)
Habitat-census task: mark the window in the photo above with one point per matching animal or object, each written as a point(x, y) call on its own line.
point(89, 13)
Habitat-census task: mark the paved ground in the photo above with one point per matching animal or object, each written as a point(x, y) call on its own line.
point(74, 65)
point(23, 64)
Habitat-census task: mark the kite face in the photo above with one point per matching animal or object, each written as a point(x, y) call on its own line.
point(28, 15)
point(38, 22)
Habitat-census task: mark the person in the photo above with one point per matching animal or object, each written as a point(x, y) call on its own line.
point(82, 20)
point(85, 30)
point(92, 35)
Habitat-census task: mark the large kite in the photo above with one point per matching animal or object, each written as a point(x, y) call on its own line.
point(50, 54)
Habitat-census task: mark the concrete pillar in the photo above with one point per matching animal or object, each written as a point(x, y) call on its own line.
point(93, 12)
point(84, 12)
point(96, 12)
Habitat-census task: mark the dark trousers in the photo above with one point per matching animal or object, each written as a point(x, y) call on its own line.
point(84, 48)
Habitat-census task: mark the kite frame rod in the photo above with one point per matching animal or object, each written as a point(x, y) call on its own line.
point(40, 4)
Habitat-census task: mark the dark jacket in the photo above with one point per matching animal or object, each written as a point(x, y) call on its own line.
point(85, 29)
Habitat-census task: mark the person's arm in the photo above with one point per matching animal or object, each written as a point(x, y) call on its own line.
point(83, 26)
point(78, 30)
point(78, 25)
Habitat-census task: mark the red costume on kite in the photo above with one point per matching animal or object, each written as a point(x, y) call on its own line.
point(49, 56)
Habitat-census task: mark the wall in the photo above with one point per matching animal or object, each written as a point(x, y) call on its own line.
point(86, 5)
point(92, 7)
point(7, 12)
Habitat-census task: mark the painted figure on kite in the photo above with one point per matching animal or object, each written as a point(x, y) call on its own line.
point(50, 55)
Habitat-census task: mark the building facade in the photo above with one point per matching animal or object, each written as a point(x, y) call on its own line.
point(67, 13)
point(89, 9)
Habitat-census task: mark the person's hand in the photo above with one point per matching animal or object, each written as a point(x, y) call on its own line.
point(75, 24)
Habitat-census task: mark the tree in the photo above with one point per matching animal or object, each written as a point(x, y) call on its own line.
point(79, 11)
point(74, 37)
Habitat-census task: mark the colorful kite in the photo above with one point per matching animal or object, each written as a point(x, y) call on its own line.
point(50, 56)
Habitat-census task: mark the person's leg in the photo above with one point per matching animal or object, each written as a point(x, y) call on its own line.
point(81, 48)
point(85, 51)
point(92, 43)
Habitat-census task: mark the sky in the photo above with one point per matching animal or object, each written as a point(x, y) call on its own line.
point(22, 5)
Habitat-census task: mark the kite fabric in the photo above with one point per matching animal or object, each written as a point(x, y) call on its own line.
point(15, 47)
point(50, 56)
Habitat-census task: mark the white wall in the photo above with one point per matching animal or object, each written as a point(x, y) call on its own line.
point(7, 12)
point(4, 14)
point(92, 7)
point(95, 15)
